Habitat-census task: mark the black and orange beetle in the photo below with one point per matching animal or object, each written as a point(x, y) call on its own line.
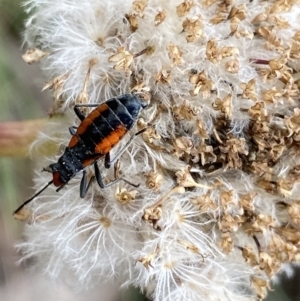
point(94, 138)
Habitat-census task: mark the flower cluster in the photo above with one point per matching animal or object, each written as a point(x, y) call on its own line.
point(216, 216)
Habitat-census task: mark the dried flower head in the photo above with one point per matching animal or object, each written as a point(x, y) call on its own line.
point(216, 214)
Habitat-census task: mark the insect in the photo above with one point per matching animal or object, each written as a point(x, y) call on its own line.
point(93, 139)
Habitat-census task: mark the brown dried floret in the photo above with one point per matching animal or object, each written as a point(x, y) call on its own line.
point(291, 91)
point(234, 25)
point(186, 111)
point(281, 186)
point(278, 21)
point(201, 83)
point(258, 111)
point(204, 203)
point(208, 3)
point(282, 6)
point(57, 85)
point(268, 264)
point(154, 180)
point(294, 212)
point(226, 243)
point(152, 215)
point(293, 122)
point(260, 224)
point(227, 199)
point(133, 21)
point(160, 17)
point(184, 8)
point(250, 256)
point(281, 248)
point(83, 96)
point(212, 51)
point(261, 128)
point(182, 145)
point(218, 18)
point(231, 151)
point(244, 33)
point(190, 246)
point(266, 75)
point(224, 105)
point(262, 170)
point(192, 28)
point(229, 223)
point(146, 261)
point(236, 15)
point(285, 186)
point(123, 60)
point(269, 34)
point(249, 90)
point(260, 17)
point(152, 138)
point(139, 6)
point(296, 36)
point(238, 12)
point(225, 6)
point(290, 234)
point(272, 95)
point(277, 148)
point(232, 66)
point(125, 196)
point(184, 179)
point(34, 55)
point(294, 173)
point(261, 286)
point(164, 76)
point(228, 51)
point(175, 55)
point(204, 153)
point(201, 130)
point(279, 63)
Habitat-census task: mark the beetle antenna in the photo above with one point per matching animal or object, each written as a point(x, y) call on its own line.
point(28, 201)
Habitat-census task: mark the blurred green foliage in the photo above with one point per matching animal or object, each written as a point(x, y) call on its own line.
point(20, 99)
point(12, 15)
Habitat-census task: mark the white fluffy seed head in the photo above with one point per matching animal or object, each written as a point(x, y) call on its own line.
point(216, 212)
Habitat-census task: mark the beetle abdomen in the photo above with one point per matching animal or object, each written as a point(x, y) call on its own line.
point(102, 129)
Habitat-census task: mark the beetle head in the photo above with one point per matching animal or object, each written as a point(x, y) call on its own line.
point(144, 97)
point(55, 169)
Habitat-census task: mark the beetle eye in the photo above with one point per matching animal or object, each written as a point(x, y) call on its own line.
point(57, 179)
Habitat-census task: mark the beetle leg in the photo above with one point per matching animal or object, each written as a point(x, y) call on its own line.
point(77, 111)
point(101, 183)
point(108, 162)
point(84, 187)
point(72, 130)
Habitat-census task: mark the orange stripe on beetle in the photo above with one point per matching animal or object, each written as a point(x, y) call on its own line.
point(105, 145)
point(74, 140)
point(83, 126)
point(97, 112)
